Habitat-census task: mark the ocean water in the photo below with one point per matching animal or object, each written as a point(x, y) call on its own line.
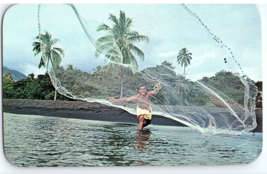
point(39, 141)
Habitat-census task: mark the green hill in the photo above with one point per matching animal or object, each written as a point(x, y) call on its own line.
point(15, 74)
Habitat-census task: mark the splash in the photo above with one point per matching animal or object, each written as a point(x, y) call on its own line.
point(223, 103)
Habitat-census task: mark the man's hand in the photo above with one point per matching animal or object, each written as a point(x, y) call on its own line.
point(156, 88)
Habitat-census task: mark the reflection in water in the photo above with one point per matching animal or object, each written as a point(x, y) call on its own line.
point(143, 140)
point(48, 141)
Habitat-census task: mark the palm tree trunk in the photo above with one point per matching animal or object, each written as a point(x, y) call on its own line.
point(55, 96)
point(121, 83)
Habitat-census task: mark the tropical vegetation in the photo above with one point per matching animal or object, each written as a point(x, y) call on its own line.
point(101, 85)
point(184, 57)
point(109, 80)
point(44, 44)
point(119, 46)
point(35, 88)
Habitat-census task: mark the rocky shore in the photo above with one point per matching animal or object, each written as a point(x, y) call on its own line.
point(85, 110)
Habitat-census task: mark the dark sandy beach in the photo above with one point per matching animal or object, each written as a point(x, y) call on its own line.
point(89, 111)
point(76, 109)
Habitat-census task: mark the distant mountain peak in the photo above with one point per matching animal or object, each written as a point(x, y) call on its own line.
point(16, 75)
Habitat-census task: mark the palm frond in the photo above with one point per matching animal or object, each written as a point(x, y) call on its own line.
point(39, 37)
point(49, 54)
point(103, 27)
point(129, 22)
point(104, 43)
point(113, 19)
point(119, 45)
point(36, 48)
point(189, 54)
point(122, 19)
point(44, 59)
point(131, 33)
point(56, 58)
point(54, 41)
point(41, 64)
point(59, 50)
point(103, 47)
point(104, 40)
point(134, 64)
point(138, 38)
point(119, 56)
point(137, 51)
point(113, 51)
point(36, 43)
point(48, 36)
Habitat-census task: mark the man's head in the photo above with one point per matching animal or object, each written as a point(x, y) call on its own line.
point(142, 89)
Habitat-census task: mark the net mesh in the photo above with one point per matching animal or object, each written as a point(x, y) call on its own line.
point(223, 103)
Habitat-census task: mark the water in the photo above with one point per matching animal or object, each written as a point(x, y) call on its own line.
point(49, 141)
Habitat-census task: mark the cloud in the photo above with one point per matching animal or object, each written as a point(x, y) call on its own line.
point(34, 69)
point(168, 54)
point(170, 29)
point(203, 64)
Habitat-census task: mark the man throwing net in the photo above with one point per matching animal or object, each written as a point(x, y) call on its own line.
point(144, 109)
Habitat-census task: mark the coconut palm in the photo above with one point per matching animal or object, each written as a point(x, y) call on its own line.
point(44, 44)
point(184, 58)
point(182, 87)
point(118, 45)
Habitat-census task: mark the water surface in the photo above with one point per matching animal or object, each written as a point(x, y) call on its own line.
point(41, 141)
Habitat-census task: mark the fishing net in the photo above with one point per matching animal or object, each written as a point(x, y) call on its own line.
point(204, 88)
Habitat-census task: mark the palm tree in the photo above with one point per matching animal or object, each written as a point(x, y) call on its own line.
point(184, 58)
point(118, 45)
point(44, 44)
point(182, 87)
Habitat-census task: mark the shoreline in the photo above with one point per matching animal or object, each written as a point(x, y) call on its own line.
point(77, 109)
point(88, 111)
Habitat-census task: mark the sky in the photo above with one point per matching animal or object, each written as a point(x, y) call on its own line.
point(257, 166)
point(169, 27)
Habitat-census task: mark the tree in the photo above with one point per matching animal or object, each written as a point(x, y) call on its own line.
point(118, 44)
point(31, 76)
point(184, 58)
point(97, 69)
point(44, 44)
point(8, 86)
point(182, 85)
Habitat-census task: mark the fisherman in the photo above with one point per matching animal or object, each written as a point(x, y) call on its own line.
point(144, 110)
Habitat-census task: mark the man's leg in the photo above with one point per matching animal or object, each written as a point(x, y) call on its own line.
point(141, 123)
point(146, 122)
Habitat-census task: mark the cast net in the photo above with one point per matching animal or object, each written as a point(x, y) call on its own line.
point(203, 86)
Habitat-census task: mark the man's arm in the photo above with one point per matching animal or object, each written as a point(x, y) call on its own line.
point(126, 99)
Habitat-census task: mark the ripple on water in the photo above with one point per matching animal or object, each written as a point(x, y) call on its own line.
point(51, 142)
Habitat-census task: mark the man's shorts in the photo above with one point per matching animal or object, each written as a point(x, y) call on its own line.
point(144, 113)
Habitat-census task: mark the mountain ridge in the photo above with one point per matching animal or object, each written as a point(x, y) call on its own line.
point(14, 73)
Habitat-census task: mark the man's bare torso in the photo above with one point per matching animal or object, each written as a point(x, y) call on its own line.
point(143, 101)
